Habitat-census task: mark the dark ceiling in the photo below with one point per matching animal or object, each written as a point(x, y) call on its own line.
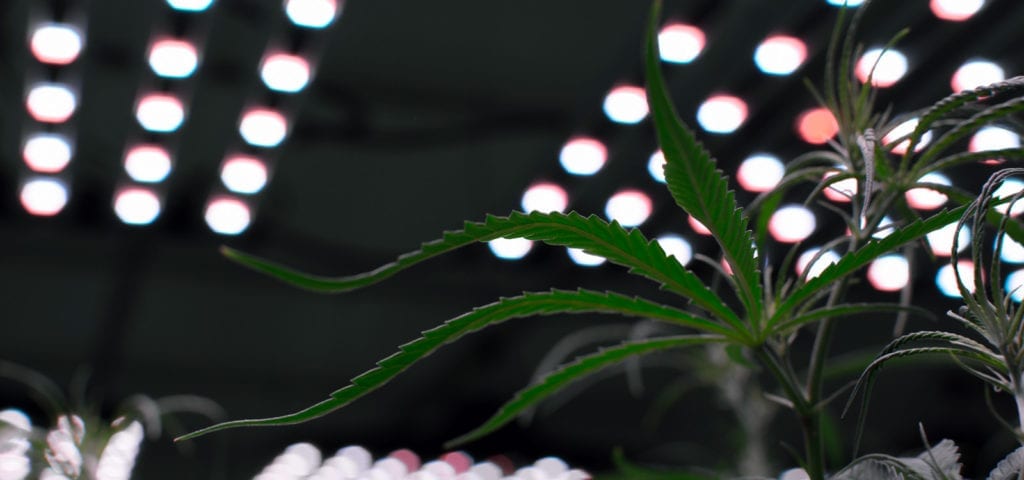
point(421, 115)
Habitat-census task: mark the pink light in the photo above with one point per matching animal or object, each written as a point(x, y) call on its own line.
point(889, 273)
point(817, 126)
point(925, 198)
point(680, 43)
point(839, 191)
point(956, 10)
point(698, 227)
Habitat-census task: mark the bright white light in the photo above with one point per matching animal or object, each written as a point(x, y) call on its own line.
point(44, 197)
point(956, 10)
point(840, 191)
point(147, 163)
point(51, 102)
point(46, 152)
point(136, 206)
point(698, 228)
point(889, 273)
point(993, 138)
point(584, 259)
point(722, 114)
point(792, 224)
point(848, 3)
point(263, 127)
point(680, 43)
point(676, 246)
point(780, 55)
point(945, 279)
point(56, 43)
point(583, 156)
point(1007, 189)
point(926, 198)
point(799, 473)
point(903, 130)
point(510, 248)
point(629, 207)
point(941, 240)
point(173, 58)
point(227, 216)
point(545, 198)
point(1015, 285)
point(311, 13)
point(890, 68)
point(803, 262)
point(243, 174)
point(656, 166)
point(161, 113)
point(1012, 252)
point(885, 228)
point(190, 5)
point(976, 73)
point(817, 126)
point(626, 104)
point(760, 172)
point(283, 72)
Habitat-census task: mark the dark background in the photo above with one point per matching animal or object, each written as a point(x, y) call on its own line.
point(421, 115)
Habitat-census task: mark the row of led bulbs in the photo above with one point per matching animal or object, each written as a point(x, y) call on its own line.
point(49, 153)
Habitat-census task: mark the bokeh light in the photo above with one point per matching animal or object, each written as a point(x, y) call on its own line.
point(780, 55)
point(680, 43)
point(51, 102)
point(227, 216)
point(1007, 189)
point(941, 240)
point(923, 198)
point(817, 126)
point(656, 166)
point(44, 196)
point(160, 112)
point(545, 197)
point(698, 228)
point(840, 191)
point(889, 67)
point(243, 174)
point(56, 43)
point(760, 172)
point(47, 152)
point(903, 130)
point(170, 58)
point(626, 104)
point(945, 278)
point(889, 273)
point(676, 246)
point(792, 223)
point(993, 138)
point(803, 262)
point(956, 10)
point(1011, 251)
point(137, 206)
point(284, 72)
point(583, 156)
point(263, 127)
point(1015, 285)
point(510, 248)
point(722, 114)
point(584, 259)
point(190, 5)
point(147, 163)
point(976, 73)
point(311, 13)
point(629, 207)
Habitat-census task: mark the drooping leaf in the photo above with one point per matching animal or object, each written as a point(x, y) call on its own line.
point(628, 248)
point(853, 261)
point(581, 367)
point(697, 185)
point(528, 304)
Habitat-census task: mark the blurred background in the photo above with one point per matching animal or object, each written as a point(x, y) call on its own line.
point(137, 137)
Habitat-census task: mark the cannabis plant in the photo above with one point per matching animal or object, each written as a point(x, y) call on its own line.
point(760, 308)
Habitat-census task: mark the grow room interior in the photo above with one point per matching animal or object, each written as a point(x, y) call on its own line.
point(138, 137)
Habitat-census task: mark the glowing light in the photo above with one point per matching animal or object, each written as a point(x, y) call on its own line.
point(889, 67)
point(47, 152)
point(51, 102)
point(545, 197)
point(889, 273)
point(510, 248)
point(698, 228)
point(1015, 285)
point(311, 13)
point(227, 216)
point(56, 43)
point(147, 163)
point(629, 207)
point(44, 197)
point(1007, 189)
point(945, 279)
point(760, 172)
point(656, 166)
point(925, 198)
point(583, 156)
point(243, 174)
point(136, 206)
point(803, 262)
point(1011, 252)
point(956, 10)
point(190, 5)
point(792, 224)
point(941, 240)
point(976, 73)
point(817, 126)
point(845, 3)
point(885, 228)
point(285, 73)
point(173, 58)
point(584, 259)
point(780, 55)
point(161, 113)
point(840, 191)
point(722, 114)
point(993, 138)
point(263, 127)
point(626, 104)
point(902, 131)
point(676, 246)
point(680, 43)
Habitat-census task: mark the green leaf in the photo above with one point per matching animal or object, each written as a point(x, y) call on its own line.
point(855, 260)
point(697, 186)
point(593, 234)
point(579, 368)
point(528, 304)
point(965, 128)
point(847, 310)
